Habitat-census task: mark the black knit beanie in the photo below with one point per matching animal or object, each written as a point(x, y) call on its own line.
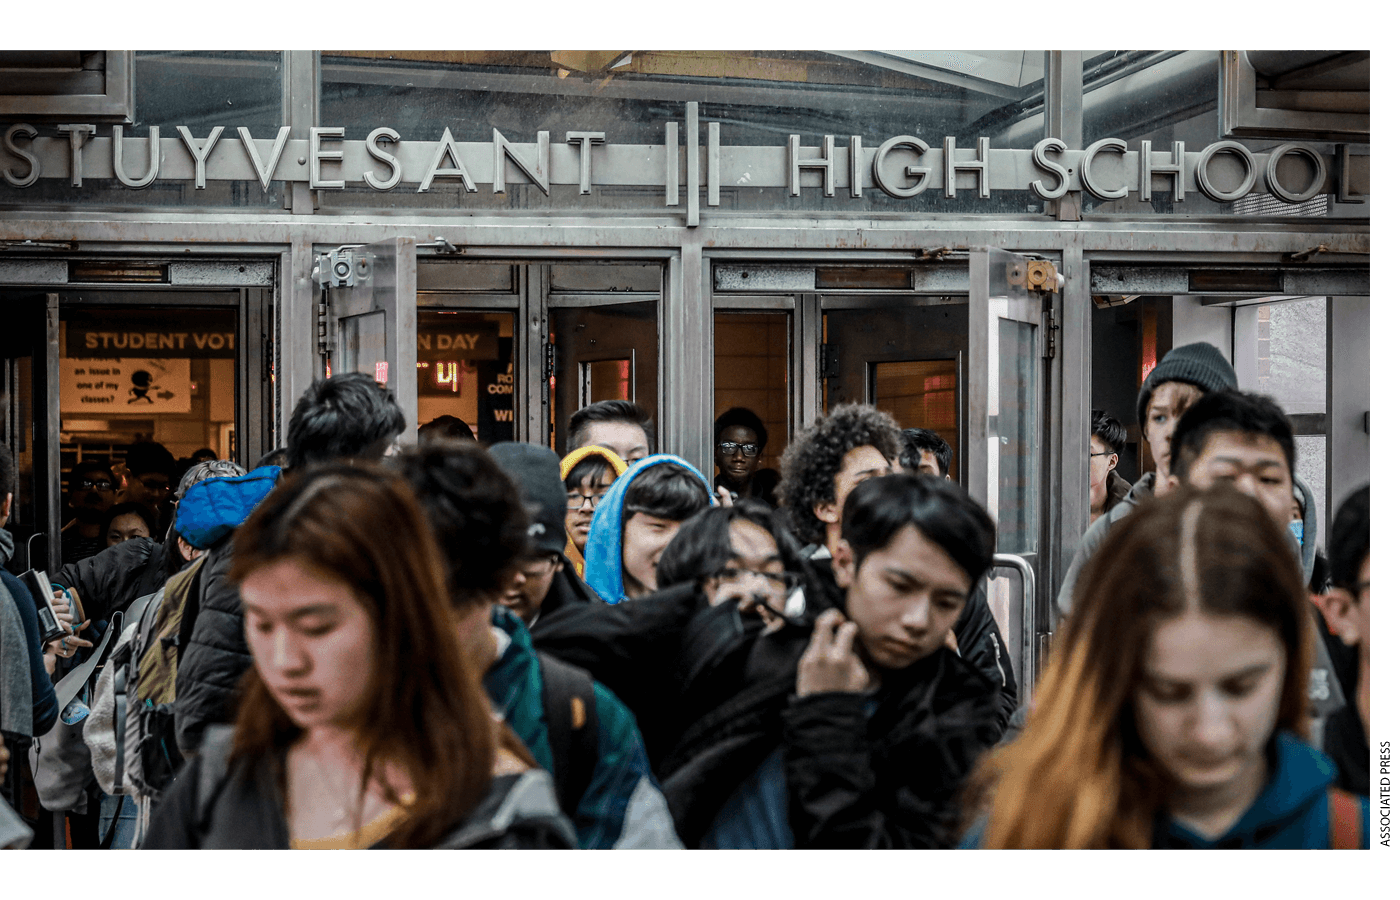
point(535, 471)
point(1200, 364)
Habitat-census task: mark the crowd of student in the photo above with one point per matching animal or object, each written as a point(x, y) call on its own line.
point(356, 645)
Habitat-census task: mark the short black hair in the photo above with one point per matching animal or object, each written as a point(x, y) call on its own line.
point(744, 418)
point(811, 461)
point(610, 411)
point(1109, 430)
point(345, 416)
point(8, 474)
point(701, 547)
point(914, 441)
point(446, 427)
point(943, 512)
point(147, 456)
point(666, 491)
point(1226, 412)
point(1350, 541)
point(126, 509)
point(474, 509)
point(593, 466)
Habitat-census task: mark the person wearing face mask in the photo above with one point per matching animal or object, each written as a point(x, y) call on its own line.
point(1178, 381)
point(1246, 441)
point(1173, 710)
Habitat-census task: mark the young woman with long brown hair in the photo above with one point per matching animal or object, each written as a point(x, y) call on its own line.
point(1173, 709)
point(361, 723)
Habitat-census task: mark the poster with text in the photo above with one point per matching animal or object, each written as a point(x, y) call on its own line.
point(124, 386)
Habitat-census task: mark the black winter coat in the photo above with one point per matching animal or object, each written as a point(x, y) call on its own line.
point(213, 653)
point(713, 698)
point(979, 643)
point(115, 578)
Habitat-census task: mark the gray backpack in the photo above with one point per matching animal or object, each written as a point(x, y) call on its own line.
point(108, 731)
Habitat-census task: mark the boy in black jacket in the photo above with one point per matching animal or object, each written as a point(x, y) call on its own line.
point(855, 731)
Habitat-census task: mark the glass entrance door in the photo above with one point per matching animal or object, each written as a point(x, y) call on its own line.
point(603, 342)
point(1004, 425)
point(905, 357)
point(29, 351)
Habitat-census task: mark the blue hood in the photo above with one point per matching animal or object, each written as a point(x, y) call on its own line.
point(602, 565)
point(214, 507)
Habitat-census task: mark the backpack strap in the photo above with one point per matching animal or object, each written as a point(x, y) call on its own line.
point(72, 684)
point(571, 718)
point(1344, 820)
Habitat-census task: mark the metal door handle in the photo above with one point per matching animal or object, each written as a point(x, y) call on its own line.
point(1023, 568)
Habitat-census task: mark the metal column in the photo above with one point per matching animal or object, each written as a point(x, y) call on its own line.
point(687, 345)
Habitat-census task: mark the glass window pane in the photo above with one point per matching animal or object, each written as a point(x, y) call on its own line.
point(197, 89)
point(363, 346)
point(608, 336)
point(757, 97)
point(1293, 354)
point(751, 371)
point(921, 394)
point(1016, 460)
point(466, 373)
point(1166, 96)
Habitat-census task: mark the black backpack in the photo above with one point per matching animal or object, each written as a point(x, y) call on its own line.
point(571, 717)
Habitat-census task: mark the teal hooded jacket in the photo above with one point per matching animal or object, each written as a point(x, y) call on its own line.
point(603, 557)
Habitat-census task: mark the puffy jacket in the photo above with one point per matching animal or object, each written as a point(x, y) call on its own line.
point(213, 654)
point(603, 556)
point(622, 807)
point(243, 809)
point(115, 578)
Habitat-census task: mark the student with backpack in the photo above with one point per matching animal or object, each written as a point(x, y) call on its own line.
point(1173, 710)
point(364, 724)
point(577, 729)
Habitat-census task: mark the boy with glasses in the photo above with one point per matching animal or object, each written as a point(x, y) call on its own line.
point(1106, 486)
point(91, 492)
point(740, 437)
point(588, 472)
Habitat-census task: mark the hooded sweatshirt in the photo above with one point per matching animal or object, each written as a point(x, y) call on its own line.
point(603, 557)
point(566, 465)
point(1291, 813)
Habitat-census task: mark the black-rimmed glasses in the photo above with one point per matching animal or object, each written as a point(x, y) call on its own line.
point(729, 448)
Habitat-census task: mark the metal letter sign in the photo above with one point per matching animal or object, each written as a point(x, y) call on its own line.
point(903, 166)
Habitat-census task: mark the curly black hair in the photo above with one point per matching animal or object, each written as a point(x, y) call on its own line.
point(811, 461)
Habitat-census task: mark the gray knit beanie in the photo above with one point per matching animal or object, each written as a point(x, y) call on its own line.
point(1200, 364)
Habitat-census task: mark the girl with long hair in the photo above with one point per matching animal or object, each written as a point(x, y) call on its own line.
point(1173, 709)
point(361, 724)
